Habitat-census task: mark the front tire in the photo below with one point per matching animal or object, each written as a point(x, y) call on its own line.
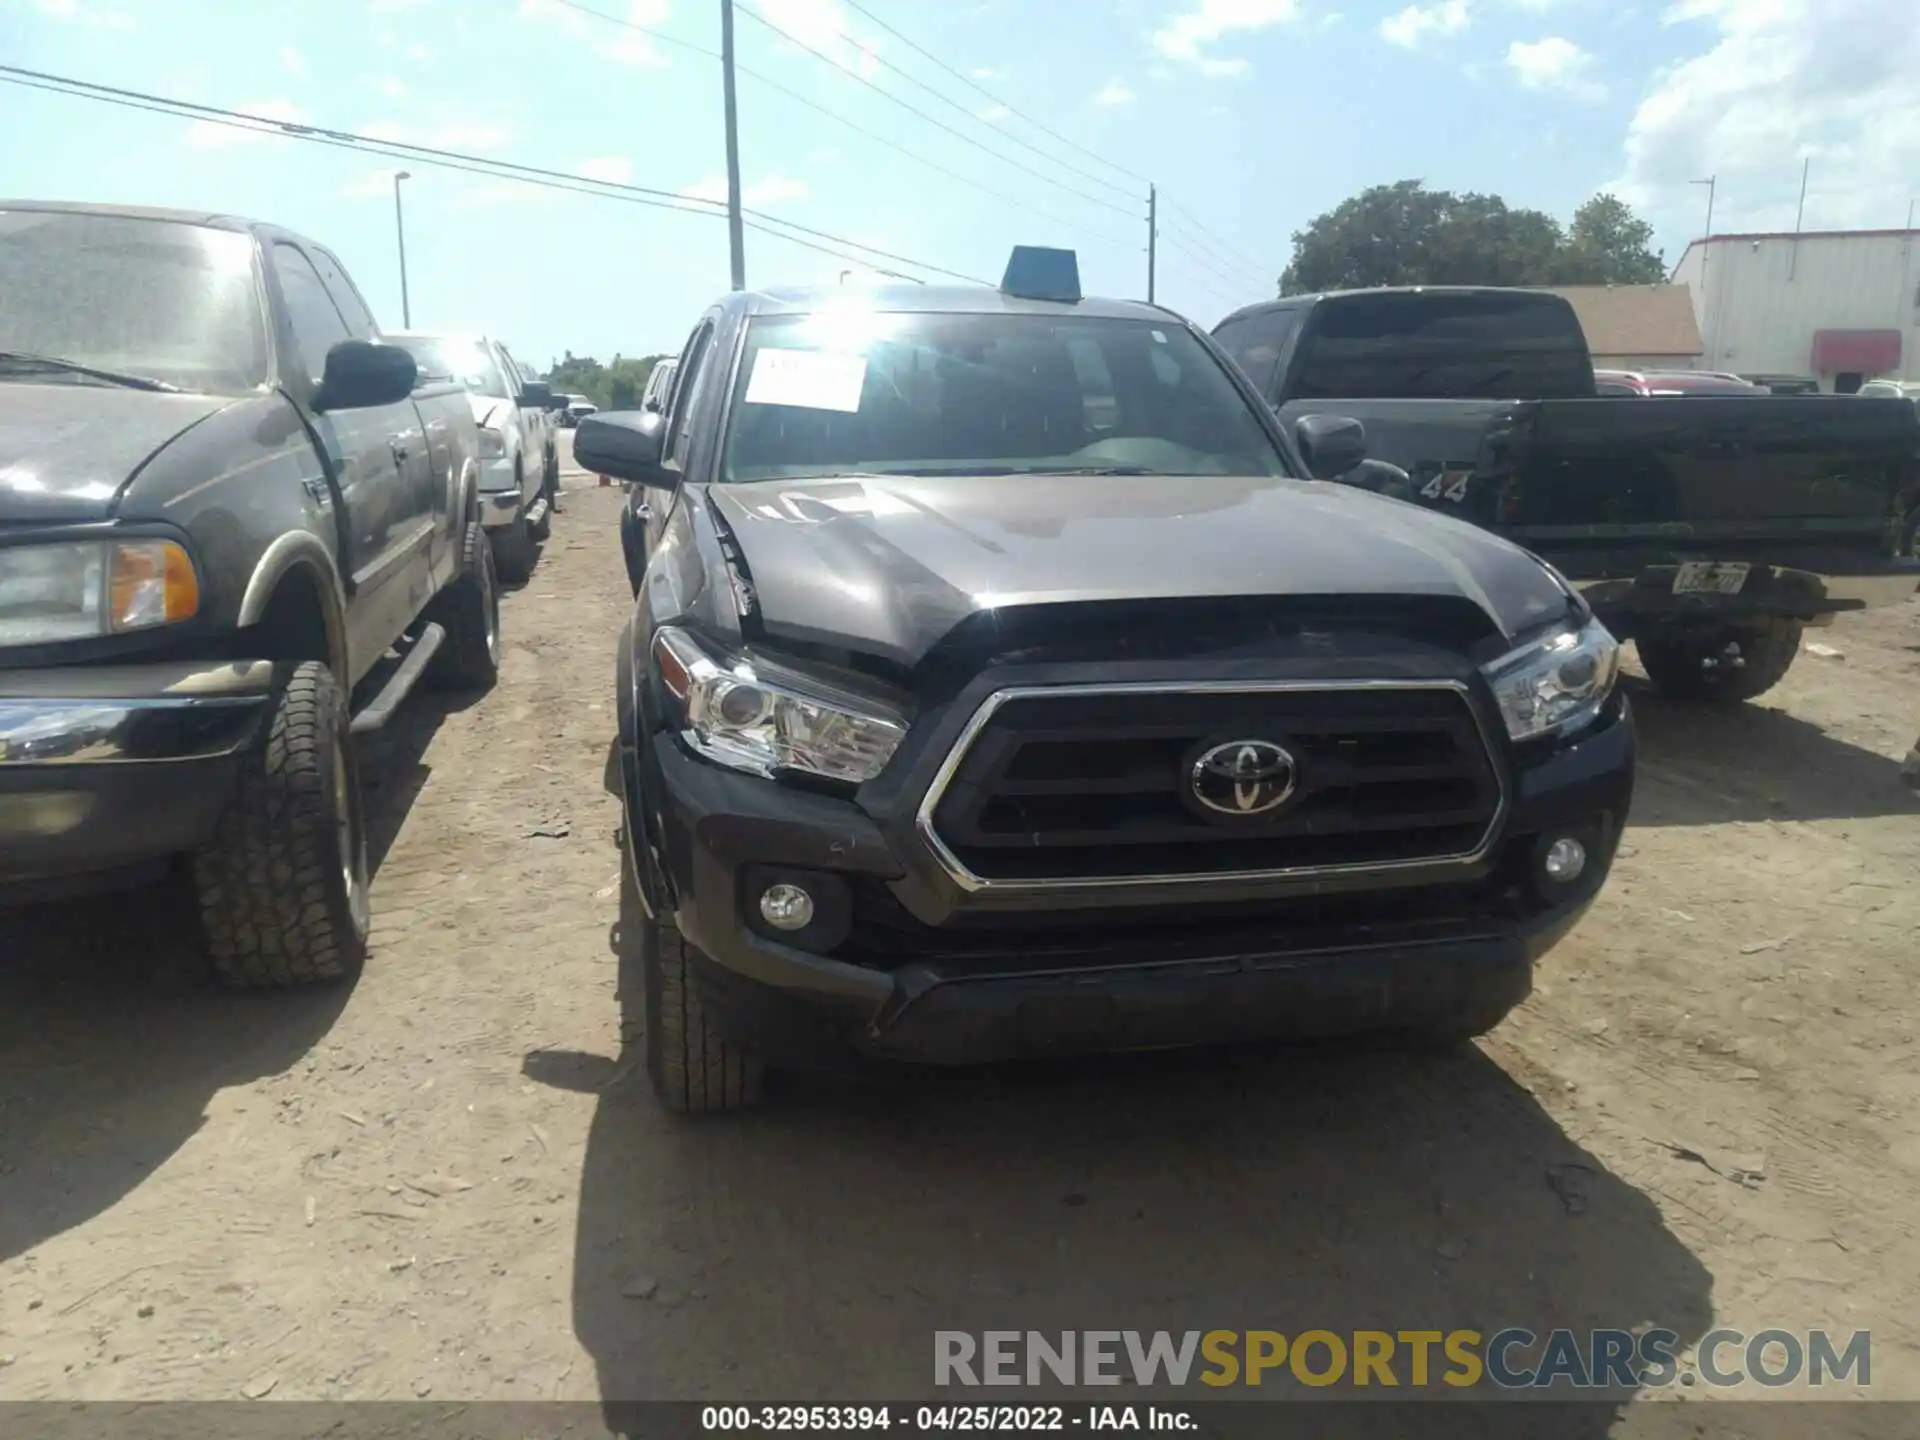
point(1724, 667)
point(282, 882)
point(694, 1069)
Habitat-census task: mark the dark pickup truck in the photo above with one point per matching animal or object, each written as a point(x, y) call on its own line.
point(1001, 682)
point(1710, 529)
point(233, 535)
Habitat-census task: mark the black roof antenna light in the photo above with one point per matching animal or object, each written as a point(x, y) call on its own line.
point(1037, 273)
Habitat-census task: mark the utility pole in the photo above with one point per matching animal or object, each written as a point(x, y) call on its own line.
point(1793, 261)
point(1153, 235)
point(1706, 252)
point(736, 234)
point(400, 234)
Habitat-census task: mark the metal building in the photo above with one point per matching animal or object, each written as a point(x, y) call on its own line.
point(1839, 305)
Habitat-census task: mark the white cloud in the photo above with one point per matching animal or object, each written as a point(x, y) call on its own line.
point(994, 114)
point(388, 86)
point(461, 135)
point(390, 7)
point(504, 192)
point(1773, 83)
point(72, 10)
point(420, 53)
point(987, 72)
point(822, 25)
point(216, 135)
point(1185, 36)
point(772, 189)
point(1331, 19)
point(1413, 25)
point(1114, 92)
point(1555, 63)
point(618, 43)
point(295, 64)
point(374, 185)
point(614, 169)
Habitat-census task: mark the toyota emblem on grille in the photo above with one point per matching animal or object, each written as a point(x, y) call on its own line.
point(1244, 778)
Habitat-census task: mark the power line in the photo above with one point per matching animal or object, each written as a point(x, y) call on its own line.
point(454, 160)
point(962, 136)
point(967, 110)
point(856, 127)
point(1199, 261)
point(1239, 255)
point(1241, 274)
point(975, 85)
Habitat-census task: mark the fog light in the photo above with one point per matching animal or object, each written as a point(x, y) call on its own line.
point(786, 907)
point(1564, 861)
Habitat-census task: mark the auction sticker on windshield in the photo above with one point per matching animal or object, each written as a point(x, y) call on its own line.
point(810, 379)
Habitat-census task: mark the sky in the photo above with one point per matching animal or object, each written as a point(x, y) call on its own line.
point(1040, 122)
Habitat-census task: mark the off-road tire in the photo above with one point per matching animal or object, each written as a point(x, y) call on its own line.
point(1675, 668)
point(693, 1068)
point(515, 550)
point(538, 531)
point(469, 611)
point(276, 901)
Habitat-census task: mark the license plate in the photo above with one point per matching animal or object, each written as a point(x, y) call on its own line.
point(1710, 577)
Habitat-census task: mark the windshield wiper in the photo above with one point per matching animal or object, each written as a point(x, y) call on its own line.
point(21, 360)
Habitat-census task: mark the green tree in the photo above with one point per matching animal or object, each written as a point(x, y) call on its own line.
point(616, 385)
point(1608, 244)
point(1406, 234)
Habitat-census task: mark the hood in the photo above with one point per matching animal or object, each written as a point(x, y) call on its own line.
point(889, 565)
point(68, 450)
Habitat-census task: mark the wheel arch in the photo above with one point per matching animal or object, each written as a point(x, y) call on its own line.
point(294, 604)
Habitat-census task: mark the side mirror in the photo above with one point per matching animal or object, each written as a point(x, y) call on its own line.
point(536, 395)
point(1331, 444)
point(361, 375)
point(625, 444)
point(558, 404)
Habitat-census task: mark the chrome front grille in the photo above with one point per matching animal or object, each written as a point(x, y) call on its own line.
point(1077, 785)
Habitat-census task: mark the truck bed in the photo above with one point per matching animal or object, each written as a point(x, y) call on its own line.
point(1611, 489)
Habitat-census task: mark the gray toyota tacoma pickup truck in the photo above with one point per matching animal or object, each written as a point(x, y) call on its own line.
point(1004, 680)
point(233, 535)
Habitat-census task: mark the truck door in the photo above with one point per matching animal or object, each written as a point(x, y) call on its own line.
point(372, 451)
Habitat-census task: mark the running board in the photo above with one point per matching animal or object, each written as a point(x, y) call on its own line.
point(400, 684)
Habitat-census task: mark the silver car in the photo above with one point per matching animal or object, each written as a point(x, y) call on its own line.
point(519, 466)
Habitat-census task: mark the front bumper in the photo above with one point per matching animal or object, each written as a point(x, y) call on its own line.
point(901, 968)
point(107, 768)
point(501, 499)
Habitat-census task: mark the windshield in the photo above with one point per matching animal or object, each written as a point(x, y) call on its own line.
point(981, 394)
point(461, 361)
point(160, 299)
point(1438, 346)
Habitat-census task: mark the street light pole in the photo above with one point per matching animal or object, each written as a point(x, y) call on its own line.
point(736, 235)
point(400, 234)
point(1706, 251)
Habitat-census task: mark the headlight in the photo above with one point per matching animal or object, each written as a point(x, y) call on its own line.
point(758, 718)
point(1556, 682)
point(70, 592)
point(493, 444)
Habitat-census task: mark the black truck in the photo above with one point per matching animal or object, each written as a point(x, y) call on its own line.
point(1711, 530)
point(1001, 683)
point(233, 535)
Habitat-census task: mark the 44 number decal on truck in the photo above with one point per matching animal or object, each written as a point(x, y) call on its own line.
point(1448, 485)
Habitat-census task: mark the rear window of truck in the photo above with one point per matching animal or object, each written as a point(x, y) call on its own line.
point(1485, 346)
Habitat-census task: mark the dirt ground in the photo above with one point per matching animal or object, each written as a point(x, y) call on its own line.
point(448, 1181)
